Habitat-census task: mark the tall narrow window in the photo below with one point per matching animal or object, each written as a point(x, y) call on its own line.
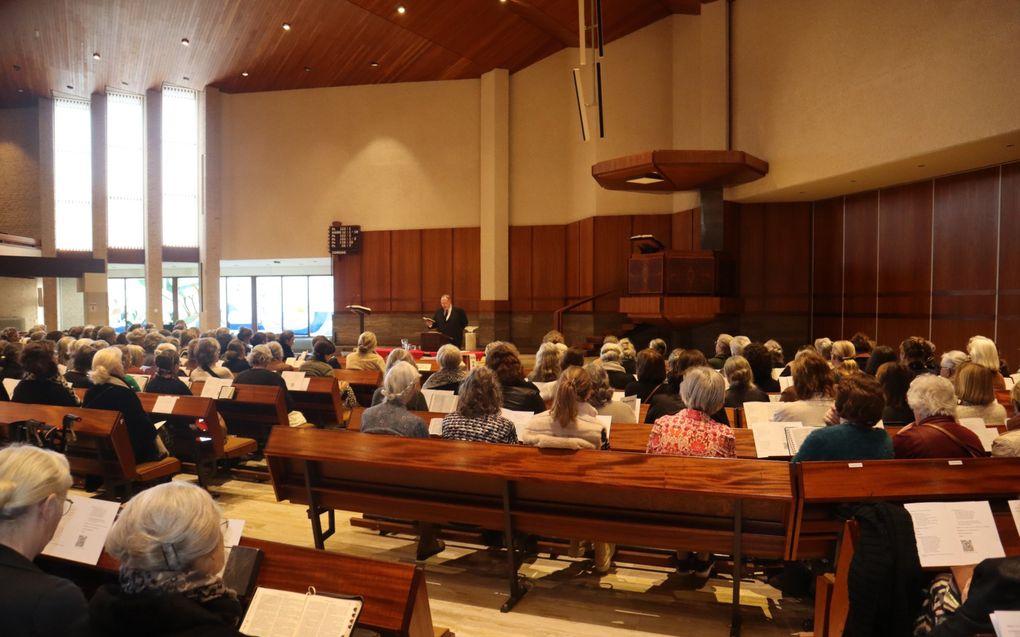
point(180, 167)
point(124, 164)
point(72, 174)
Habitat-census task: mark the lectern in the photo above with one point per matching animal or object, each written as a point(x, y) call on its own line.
point(432, 340)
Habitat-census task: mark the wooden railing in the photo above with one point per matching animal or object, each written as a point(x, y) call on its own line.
point(558, 314)
point(13, 239)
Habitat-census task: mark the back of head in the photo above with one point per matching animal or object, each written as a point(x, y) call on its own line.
point(916, 351)
point(601, 391)
point(260, 356)
point(547, 363)
point(860, 400)
point(983, 352)
point(952, 360)
point(610, 353)
point(322, 349)
point(258, 338)
point(480, 394)
point(107, 363)
point(83, 357)
point(861, 342)
point(135, 354)
point(167, 361)
point(879, 356)
point(64, 352)
point(823, 346)
point(738, 372)
point(842, 351)
point(135, 336)
point(276, 349)
point(573, 357)
point(166, 528)
point(400, 382)
point(628, 352)
point(760, 362)
point(775, 351)
point(651, 366)
point(658, 345)
point(685, 360)
point(235, 350)
point(398, 355)
point(39, 359)
point(223, 338)
point(722, 344)
point(812, 376)
point(609, 338)
point(29, 475)
point(554, 336)
point(207, 352)
point(503, 359)
point(737, 345)
point(574, 387)
point(449, 357)
point(931, 395)
point(703, 389)
point(244, 334)
point(366, 342)
point(151, 341)
point(974, 384)
point(895, 380)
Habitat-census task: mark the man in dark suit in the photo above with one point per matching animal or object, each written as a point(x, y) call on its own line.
point(449, 320)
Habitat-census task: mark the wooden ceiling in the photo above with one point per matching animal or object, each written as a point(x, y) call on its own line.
point(48, 45)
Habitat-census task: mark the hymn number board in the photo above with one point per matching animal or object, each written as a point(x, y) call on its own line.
point(344, 239)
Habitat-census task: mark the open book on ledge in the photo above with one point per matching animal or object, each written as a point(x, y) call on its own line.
point(276, 613)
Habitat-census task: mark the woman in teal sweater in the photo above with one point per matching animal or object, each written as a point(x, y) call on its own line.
point(859, 405)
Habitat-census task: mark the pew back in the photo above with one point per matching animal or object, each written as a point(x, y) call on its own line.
point(253, 411)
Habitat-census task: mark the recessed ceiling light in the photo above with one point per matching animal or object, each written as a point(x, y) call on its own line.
point(308, 69)
point(373, 64)
point(17, 68)
point(646, 179)
point(1010, 145)
point(96, 56)
point(803, 192)
point(187, 79)
point(123, 82)
point(502, 1)
point(185, 41)
point(244, 73)
point(401, 10)
point(853, 181)
point(920, 165)
point(21, 90)
point(286, 26)
point(70, 88)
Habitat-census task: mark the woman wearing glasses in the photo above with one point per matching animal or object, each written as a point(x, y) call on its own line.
point(33, 497)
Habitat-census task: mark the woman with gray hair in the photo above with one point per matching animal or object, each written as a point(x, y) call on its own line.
point(450, 374)
point(602, 396)
point(951, 361)
point(260, 358)
point(169, 542)
point(392, 416)
point(33, 498)
point(611, 355)
point(628, 356)
point(278, 363)
point(417, 401)
point(935, 432)
point(207, 360)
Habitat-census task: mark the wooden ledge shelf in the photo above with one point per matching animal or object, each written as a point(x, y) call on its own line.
point(677, 170)
point(678, 311)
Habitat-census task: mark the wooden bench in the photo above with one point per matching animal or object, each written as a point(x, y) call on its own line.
point(652, 501)
point(395, 595)
point(102, 447)
point(252, 412)
point(363, 382)
point(355, 422)
point(633, 438)
point(320, 403)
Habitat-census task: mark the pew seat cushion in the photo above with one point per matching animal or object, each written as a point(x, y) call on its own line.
point(157, 469)
point(236, 446)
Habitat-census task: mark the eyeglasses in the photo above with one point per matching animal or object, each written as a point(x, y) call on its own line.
point(67, 506)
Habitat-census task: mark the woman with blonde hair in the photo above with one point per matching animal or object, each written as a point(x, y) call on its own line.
point(365, 356)
point(602, 396)
point(741, 384)
point(843, 357)
point(169, 542)
point(983, 352)
point(814, 388)
point(33, 498)
point(973, 385)
point(207, 360)
point(547, 364)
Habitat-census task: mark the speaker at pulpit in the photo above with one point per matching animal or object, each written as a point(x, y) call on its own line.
point(432, 340)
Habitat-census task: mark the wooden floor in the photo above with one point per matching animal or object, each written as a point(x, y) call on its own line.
point(467, 583)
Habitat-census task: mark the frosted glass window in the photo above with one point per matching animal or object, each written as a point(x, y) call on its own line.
point(167, 294)
point(115, 297)
point(238, 301)
point(223, 300)
point(320, 305)
point(189, 300)
point(72, 174)
point(270, 303)
point(127, 302)
point(125, 161)
point(180, 167)
point(295, 304)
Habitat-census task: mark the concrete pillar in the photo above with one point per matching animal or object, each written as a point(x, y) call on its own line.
point(210, 207)
point(94, 285)
point(47, 209)
point(494, 207)
point(153, 206)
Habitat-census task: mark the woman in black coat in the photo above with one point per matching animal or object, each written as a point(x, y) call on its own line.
point(42, 384)
point(109, 391)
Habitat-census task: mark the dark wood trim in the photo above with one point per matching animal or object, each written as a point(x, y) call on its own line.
point(180, 255)
point(126, 255)
point(61, 266)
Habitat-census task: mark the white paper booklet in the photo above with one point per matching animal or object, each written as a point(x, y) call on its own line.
point(296, 381)
point(1006, 622)
point(276, 613)
point(212, 386)
point(164, 404)
point(1014, 508)
point(442, 402)
point(9, 385)
point(755, 412)
point(424, 367)
point(519, 419)
point(785, 382)
point(546, 390)
point(772, 440)
point(141, 379)
point(81, 533)
point(954, 533)
point(984, 432)
point(436, 427)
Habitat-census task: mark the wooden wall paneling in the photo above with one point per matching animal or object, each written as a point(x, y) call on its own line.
point(659, 226)
point(347, 282)
point(904, 252)
point(436, 267)
point(751, 259)
point(375, 270)
point(610, 252)
point(827, 281)
point(548, 267)
point(787, 258)
point(405, 271)
point(467, 263)
point(1008, 327)
point(580, 262)
point(965, 262)
point(520, 269)
point(686, 231)
point(860, 263)
point(572, 276)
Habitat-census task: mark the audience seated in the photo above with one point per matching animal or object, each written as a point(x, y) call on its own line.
point(651, 376)
point(573, 357)
point(547, 369)
point(322, 351)
point(365, 356)
point(973, 385)
point(676, 363)
point(880, 355)
point(742, 388)
point(951, 361)
point(862, 345)
point(722, 351)
point(844, 358)
point(659, 346)
point(761, 363)
point(33, 497)
point(78, 376)
point(109, 391)
point(918, 353)
point(610, 355)
point(207, 361)
point(450, 374)
point(134, 359)
point(814, 389)
point(859, 405)
point(9, 360)
point(169, 542)
point(260, 359)
point(236, 357)
point(982, 351)
point(895, 381)
point(65, 354)
point(166, 379)
point(391, 416)
point(518, 394)
point(278, 364)
point(42, 383)
point(737, 345)
point(286, 341)
point(602, 396)
point(478, 416)
point(628, 356)
point(416, 402)
point(667, 404)
point(935, 432)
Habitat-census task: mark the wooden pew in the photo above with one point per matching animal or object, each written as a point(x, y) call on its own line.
point(320, 403)
point(633, 438)
point(355, 422)
point(102, 448)
point(395, 595)
point(363, 382)
point(654, 501)
point(252, 412)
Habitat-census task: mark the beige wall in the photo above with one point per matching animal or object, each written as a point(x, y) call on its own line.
point(828, 88)
point(384, 157)
point(19, 173)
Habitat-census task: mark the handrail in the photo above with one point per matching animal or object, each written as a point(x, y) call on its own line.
point(558, 314)
point(14, 239)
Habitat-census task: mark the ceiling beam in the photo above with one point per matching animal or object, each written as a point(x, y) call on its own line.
point(558, 31)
